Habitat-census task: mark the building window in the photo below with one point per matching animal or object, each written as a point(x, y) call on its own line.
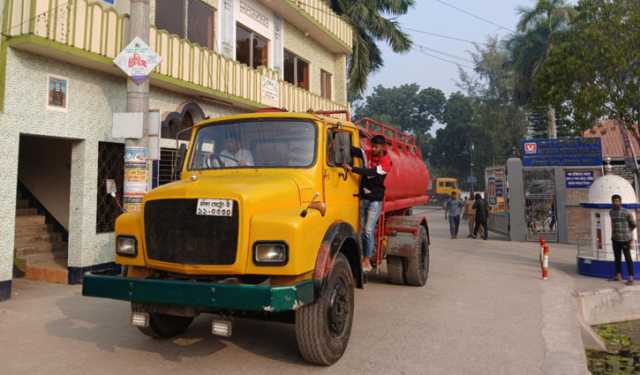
point(296, 70)
point(251, 48)
point(166, 166)
point(57, 93)
point(110, 167)
point(198, 26)
point(170, 16)
point(325, 84)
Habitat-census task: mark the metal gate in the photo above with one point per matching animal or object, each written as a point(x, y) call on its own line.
point(540, 204)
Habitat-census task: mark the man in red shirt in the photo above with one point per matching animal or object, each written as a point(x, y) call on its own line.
point(376, 165)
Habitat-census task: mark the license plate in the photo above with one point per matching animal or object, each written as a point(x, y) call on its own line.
point(214, 207)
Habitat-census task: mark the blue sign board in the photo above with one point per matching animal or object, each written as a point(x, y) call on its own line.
point(579, 180)
point(109, 1)
point(570, 152)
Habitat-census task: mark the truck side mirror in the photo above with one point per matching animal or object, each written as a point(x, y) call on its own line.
point(180, 155)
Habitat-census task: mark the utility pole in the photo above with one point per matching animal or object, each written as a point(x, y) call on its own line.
point(137, 173)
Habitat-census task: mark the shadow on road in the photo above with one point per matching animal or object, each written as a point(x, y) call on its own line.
point(105, 324)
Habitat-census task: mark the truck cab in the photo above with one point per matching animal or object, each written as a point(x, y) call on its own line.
point(263, 222)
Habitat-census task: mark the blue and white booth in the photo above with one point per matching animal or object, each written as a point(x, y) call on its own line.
point(595, 255)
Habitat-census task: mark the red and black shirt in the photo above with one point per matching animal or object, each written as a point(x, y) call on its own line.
point(374, 172)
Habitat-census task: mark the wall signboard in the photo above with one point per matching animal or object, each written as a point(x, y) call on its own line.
point(579, 179)
point(570, 152)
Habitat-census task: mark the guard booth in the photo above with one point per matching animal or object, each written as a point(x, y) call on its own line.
point(547, 185)
point(595, 249)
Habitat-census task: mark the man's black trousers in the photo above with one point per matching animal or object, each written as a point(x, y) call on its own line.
point(620, 247)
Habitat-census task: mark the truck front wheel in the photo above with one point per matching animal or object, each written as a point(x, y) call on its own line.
point(163, 326)
point(324, 327)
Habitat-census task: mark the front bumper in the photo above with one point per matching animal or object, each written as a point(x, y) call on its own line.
point(212, 296)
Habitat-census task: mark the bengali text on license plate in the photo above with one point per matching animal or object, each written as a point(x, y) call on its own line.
point(214, 207)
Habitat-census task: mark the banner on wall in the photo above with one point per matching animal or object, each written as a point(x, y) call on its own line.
point(135, 178)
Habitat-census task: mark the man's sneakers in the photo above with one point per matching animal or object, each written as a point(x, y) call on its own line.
point(617, 277)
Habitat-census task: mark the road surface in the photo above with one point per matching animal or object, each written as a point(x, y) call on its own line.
point(481, 313)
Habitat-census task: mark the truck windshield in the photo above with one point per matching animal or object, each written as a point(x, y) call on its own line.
point(255, 144)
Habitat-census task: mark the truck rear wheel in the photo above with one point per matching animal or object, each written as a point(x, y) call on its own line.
point(417, 270)
point(163, 326)
point(395, 270)
point(324, 327)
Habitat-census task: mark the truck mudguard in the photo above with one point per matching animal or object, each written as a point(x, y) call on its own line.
point(340, 235)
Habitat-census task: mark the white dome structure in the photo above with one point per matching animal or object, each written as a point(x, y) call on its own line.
point(595, 254)
point(606, 186)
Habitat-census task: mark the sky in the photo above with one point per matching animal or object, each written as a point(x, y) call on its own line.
point(435, 17)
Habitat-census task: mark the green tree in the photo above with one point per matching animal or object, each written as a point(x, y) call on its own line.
point(370, 25)
point(406, 107)
point(594, 71)
point(450, 153)
point(499, 122)
point(538, 29)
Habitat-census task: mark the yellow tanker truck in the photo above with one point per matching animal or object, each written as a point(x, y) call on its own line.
point(262, 223)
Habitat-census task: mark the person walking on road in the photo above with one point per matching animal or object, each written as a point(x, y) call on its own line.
point(452, 212)
point(482, 216)
point(470, 214)
point(622, 227)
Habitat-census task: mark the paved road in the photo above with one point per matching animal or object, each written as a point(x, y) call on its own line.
point(481, 313)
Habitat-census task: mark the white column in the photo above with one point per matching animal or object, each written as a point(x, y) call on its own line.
point(82, 203)
point(9, 144)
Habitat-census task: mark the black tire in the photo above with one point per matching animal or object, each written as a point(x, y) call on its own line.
point(163, 326)
point(395, 270)
point(324, 327)
point(417, 270)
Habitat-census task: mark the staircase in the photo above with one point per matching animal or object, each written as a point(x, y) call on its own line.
point(40, 252)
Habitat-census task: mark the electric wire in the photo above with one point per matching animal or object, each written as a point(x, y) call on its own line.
point(447, 4)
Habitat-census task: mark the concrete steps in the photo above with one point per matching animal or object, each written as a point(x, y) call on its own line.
point(29, 220)
point(40, 253)
point(51, 271)
point(39, 247)
point(26, 238)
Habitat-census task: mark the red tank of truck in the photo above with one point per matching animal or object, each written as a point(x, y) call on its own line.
point(408, 182)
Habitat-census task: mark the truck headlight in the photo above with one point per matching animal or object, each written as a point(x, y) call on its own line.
point(270, 253)
point(126, 246)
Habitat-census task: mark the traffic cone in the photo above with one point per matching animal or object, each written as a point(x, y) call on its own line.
point(545, 262)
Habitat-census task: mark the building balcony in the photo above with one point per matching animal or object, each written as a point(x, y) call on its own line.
point(318, 19)
point(90, 34)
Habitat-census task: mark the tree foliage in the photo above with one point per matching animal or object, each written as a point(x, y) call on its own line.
point(594, 71)
point(539, 28)
point(406, 107)
point(370, 25)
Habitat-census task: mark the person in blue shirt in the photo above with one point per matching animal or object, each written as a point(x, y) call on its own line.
point(452, 212)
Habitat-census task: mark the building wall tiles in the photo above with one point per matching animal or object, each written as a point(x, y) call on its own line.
point(93, 97)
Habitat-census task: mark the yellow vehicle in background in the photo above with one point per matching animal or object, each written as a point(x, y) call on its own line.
point(263, 223)
point(443, 187)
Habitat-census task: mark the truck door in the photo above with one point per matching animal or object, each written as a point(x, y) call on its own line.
point(341, 188)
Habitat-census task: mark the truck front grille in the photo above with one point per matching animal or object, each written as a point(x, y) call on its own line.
point(175, 234)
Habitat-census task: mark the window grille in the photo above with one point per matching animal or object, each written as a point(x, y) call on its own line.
point(110, 167)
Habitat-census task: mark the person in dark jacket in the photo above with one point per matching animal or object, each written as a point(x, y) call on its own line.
point(482, 216)
point(622, 227)
point(375, 167)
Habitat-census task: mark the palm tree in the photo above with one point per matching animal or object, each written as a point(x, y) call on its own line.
point(538, 29)
point(370, 25)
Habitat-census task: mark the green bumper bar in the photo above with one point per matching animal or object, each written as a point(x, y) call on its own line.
point(207, 295)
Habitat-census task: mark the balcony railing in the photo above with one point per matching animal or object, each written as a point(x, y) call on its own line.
point(100, 31)
point(324, 15)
